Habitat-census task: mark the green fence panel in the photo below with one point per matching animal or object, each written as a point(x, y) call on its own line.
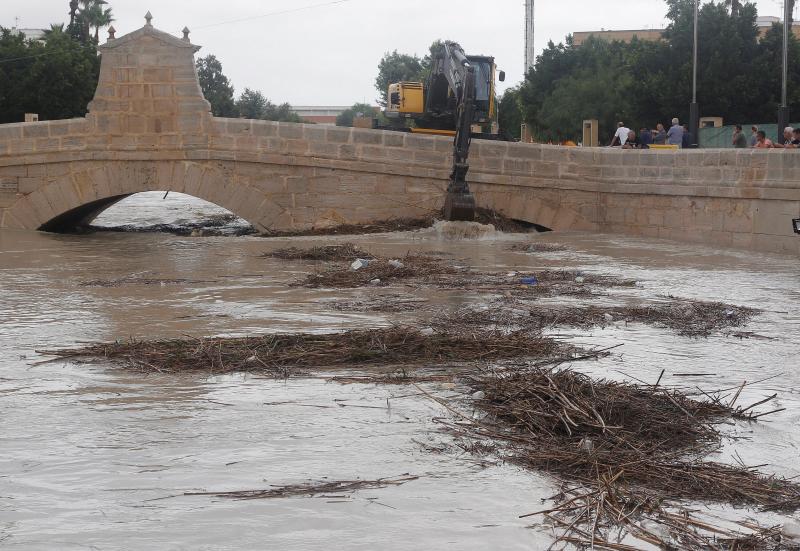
point(721, 137)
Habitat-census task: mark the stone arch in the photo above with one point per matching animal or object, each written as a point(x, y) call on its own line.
point(527, 205)
point(92, 187)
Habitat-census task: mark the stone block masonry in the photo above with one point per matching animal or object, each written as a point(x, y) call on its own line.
point(149, 128)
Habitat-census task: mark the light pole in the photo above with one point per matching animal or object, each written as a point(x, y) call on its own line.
point(783, 112)
point(694, 109)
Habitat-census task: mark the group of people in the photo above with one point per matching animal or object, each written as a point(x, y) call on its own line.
point(677, 135)
point(758, 139)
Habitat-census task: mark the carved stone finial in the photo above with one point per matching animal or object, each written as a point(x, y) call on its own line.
point(185, 32)
point(149, 18)
point(112, 32)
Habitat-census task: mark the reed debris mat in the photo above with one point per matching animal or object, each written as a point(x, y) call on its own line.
point(500, 222)
point(331, 489)
point(380, 272)
point(285, 354)
point(345, 252)
point(537, 248)
point(421, 270)
point(686, 317)
point(393, 303)
point(626, 454)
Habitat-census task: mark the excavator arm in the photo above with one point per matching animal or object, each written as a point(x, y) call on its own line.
point(460, 203)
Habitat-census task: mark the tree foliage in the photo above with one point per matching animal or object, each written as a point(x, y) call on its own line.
point(347, 116)
point(254, 105)
point(510, 113)
point(216, 87)
point(55, 78)
point(397, 67)
point(643, 83)
point(91, 14)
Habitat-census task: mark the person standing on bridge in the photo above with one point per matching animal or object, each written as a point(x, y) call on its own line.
point(739, 141)
point(753, 136)
point(661, 135)
point(675, 133)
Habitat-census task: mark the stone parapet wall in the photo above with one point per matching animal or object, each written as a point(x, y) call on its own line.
point(735, 198)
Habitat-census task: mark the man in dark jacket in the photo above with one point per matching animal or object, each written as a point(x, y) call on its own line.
point(686, 139)
point(646, 138)
point(739, 140)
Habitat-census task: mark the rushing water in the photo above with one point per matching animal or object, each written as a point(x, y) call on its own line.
point(93, 457)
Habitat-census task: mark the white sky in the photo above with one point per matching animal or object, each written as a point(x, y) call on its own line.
point(329, 55)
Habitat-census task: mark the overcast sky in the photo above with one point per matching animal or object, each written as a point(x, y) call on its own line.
point(328, 55)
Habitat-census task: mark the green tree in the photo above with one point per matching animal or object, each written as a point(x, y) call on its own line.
point(510, 116)
point(282, 112)
point(347, 116)
point(217, 89)
point(768, 66)
point(254, 105)
point(646, 82)
point(55, 79)
point(396, 67)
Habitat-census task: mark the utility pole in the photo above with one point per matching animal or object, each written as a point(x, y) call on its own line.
point(530, 53)
point(694, 109)
point(783, 112)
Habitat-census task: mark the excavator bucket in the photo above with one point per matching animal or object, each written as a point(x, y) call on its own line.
point(459, 203)
point(459, 206)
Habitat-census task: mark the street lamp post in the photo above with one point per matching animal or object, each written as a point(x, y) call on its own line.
point(783, 112)
point(694, 109)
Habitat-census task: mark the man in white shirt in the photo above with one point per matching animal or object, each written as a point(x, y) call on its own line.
point(621, 136)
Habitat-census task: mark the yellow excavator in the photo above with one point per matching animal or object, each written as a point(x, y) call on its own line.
point(458, 99)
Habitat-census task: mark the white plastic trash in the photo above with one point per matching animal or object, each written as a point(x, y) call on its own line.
point(427, 332)
point(375, 282)
point(579, 279)
point(396, 264)
point(358, 264)
point(480, 395)
point(608, 317)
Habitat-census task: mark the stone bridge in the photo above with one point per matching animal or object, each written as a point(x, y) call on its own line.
point(149, 128)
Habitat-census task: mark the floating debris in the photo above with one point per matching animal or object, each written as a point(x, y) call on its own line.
point(345, 252)
point(484, 216)
point(686, 317)
point(537, 248)
point(626, 454)
point(381, 303)
point(282, 354)
point(413, 267)
point(311, 489)
point(132, 280)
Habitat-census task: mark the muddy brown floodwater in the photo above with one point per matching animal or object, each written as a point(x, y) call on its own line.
point(94, 457)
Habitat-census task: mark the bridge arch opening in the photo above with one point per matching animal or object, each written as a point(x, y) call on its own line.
point(151, 211)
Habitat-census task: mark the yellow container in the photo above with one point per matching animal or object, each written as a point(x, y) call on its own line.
point(664, 146)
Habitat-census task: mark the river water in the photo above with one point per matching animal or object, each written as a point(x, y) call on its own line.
point(93, 457)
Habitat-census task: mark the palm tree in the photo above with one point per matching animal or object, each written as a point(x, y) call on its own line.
point(54, 29)
point(92, 15)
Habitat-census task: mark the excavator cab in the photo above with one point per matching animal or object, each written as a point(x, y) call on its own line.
point(432, 106)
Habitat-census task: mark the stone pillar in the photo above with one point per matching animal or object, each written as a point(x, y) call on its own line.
point(148, 86)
